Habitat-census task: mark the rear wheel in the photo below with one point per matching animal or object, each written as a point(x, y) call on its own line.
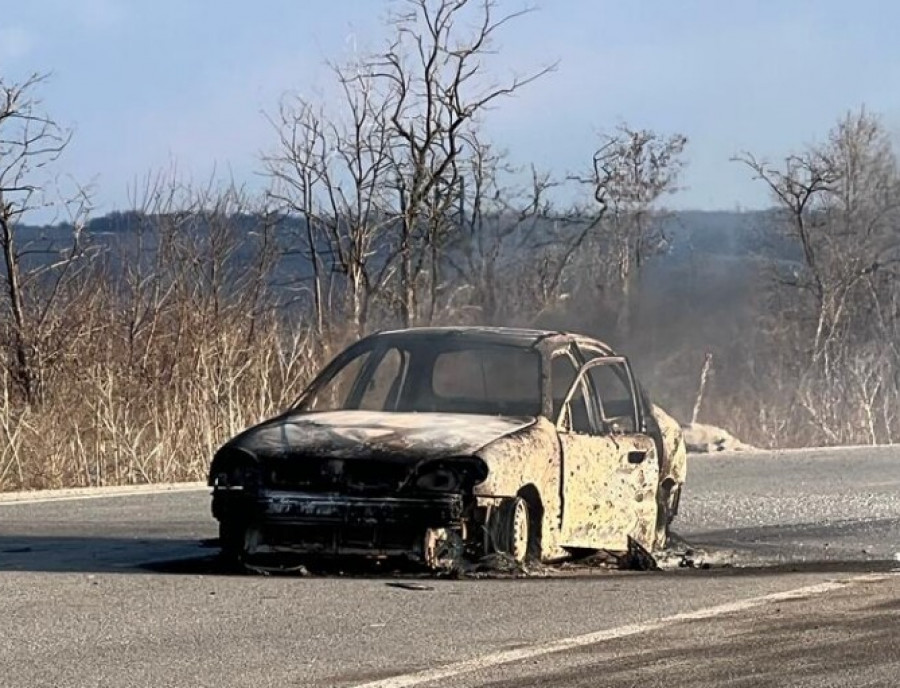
point(666, 508)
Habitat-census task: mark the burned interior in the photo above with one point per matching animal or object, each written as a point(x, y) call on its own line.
point(442, 444)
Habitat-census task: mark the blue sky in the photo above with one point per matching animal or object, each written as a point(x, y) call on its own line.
point(153, 83)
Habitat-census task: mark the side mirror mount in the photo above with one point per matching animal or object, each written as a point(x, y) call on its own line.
point(614, 427)
point(564, 419)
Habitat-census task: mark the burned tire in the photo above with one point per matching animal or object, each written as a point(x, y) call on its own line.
point(661, 539)
point(232, 539)
point(513, 529)
point(666, 503)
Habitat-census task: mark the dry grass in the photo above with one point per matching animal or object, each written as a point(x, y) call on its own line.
point(154, 352)
point(109, 424)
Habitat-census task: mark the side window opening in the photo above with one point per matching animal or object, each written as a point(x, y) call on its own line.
point(644, 418)
point(613, 387)
point(575, 417)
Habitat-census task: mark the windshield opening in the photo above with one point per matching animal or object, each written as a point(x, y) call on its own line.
point(432, 376)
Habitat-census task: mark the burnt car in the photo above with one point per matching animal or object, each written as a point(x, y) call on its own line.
point(439, 444)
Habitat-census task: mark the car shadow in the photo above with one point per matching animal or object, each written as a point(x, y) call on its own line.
point(192, 557)
point(97, 554)
point(100, 554)
point(836, 530)
point(839, 546)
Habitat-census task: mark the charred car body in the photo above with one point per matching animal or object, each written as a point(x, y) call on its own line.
point(442, 443)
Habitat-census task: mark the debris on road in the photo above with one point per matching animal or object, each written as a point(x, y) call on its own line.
point(295, 570)
point(637, 558)
point(403, 585)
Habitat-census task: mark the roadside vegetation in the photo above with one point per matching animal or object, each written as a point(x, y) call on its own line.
point(129, 357)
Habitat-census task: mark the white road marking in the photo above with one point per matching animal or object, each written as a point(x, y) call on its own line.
point(41, 496)
point(508, 656)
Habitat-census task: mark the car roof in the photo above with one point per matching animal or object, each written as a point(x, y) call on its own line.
point(517, 336)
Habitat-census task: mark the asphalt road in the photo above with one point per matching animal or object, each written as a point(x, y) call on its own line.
point(120, 591)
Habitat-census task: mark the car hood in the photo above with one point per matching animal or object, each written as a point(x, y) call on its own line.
point(402, 437)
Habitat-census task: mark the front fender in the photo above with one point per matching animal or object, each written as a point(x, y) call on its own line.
point(530, 456)
point(528, 463)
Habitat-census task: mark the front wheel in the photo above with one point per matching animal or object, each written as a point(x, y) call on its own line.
point(232, 540)
point(512, 529)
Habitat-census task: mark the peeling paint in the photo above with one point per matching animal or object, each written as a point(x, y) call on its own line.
point(528, 458)
point(674, 461)
point(352, 433)
point(607, 497)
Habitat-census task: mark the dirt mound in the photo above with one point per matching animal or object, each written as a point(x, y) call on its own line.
point(700, 438)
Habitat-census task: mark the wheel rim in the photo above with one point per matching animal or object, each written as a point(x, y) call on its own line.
point(519, 527)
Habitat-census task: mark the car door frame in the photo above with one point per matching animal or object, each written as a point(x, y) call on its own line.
point(595, 407)
point(611, 479)
point(649, 425)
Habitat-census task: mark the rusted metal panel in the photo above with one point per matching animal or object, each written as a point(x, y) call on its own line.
point(354, 434)
point(609, 490)
point(673, 463)
point(530, 457)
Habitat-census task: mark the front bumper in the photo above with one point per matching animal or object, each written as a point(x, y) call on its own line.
point(332, 524)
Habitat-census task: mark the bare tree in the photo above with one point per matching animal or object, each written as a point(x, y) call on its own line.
point(631, 171)
point(434, 77)
point(560, 249)
point(330, 173)
point(377, 183)
point(500, 222)
point(295, 172)
point(37, 274)
point(840, 202)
